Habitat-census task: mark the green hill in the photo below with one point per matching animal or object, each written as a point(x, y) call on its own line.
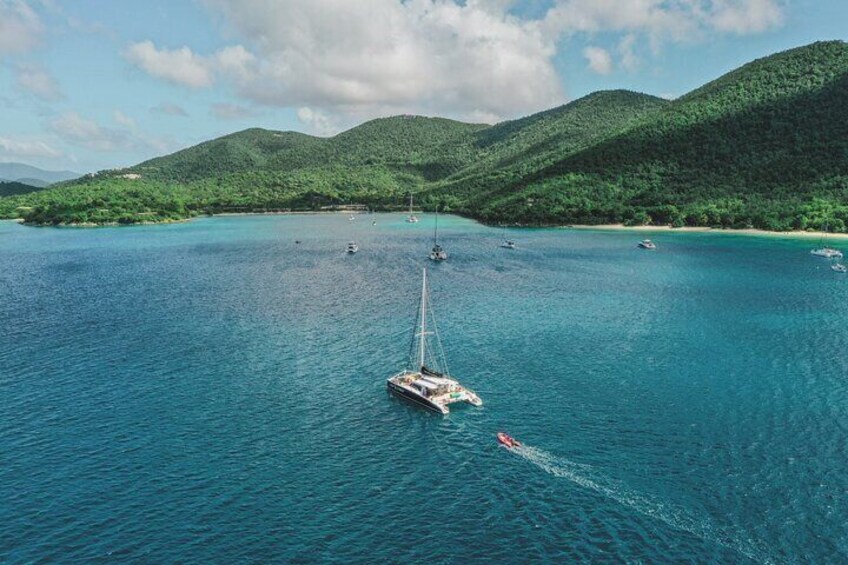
point(762, 146)
point(11, 188)
point(513, 150)
point(247, 150)
point(412, 144)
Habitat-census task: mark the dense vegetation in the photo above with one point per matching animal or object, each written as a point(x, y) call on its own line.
point(764, 146)
point(10, 188)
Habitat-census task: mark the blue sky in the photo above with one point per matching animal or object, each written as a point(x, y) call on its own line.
point(94, 84)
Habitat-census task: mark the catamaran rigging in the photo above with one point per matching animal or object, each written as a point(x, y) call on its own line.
point(427, 382)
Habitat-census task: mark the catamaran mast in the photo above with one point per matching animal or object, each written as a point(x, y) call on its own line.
point(436, 229)
point(423, 344)
point(410, 203)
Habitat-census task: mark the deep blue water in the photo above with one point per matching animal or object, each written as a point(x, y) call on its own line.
point(213, 392)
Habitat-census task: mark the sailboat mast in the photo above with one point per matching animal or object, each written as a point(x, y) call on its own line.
point(423, 344)
point(436, 229)
point(410, 203)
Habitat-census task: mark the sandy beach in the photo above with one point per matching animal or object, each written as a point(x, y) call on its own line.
point(798, 234)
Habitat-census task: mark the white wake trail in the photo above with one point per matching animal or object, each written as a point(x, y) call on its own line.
point(678, 518)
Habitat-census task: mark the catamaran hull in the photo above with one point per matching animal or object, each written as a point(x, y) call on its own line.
point(407, 394)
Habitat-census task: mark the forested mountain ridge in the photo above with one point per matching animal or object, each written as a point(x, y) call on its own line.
point(765, 145)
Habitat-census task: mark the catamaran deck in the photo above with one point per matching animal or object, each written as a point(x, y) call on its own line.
point(434, 390)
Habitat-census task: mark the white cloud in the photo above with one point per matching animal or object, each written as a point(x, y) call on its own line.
point(599, 60)
point(347, 61)
point(16, 148)
point(663, 20)
point(179, 66)
point(659, 19)
point(226, 111)
point(169, 109)
point(38, 82)
point(746, 16)
point(184, 67)
point(20, 27)
point(317, 122)
point(373, 57)
point(629, 61)
point(77, 130)
point(83, 132)
point(123, 120)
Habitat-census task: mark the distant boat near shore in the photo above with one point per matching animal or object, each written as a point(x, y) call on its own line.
point(827, 253)
point(411, 219)
point(507, 243)
point(823, 250)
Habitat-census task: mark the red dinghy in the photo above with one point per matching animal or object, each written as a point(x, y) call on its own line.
point(508, 440)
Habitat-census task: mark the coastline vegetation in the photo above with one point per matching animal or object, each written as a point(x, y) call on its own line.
point(763, 146)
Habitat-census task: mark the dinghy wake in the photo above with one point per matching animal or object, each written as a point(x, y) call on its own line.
point(675, 517)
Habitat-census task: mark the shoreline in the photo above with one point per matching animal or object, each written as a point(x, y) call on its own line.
point(796, 234)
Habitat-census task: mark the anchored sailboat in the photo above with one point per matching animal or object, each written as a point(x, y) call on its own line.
point(412, 219)
point(423, 383)
point(507, 243)
point(824, 250)
point(437, 253)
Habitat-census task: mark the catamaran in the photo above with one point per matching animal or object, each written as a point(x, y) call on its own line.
point(437, 253)
point(422, 383)
point(411, 218)
point(824, 250)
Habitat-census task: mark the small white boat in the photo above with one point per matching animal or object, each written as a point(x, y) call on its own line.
point(412, 219)
point(352, 218)
point(824, 250)
point(507, 243)
point(647, 244)
point(827, 253)
point(839, 268)
point(421, 383)
point(352, 247)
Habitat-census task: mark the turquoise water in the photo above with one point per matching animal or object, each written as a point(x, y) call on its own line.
point(212, 391)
